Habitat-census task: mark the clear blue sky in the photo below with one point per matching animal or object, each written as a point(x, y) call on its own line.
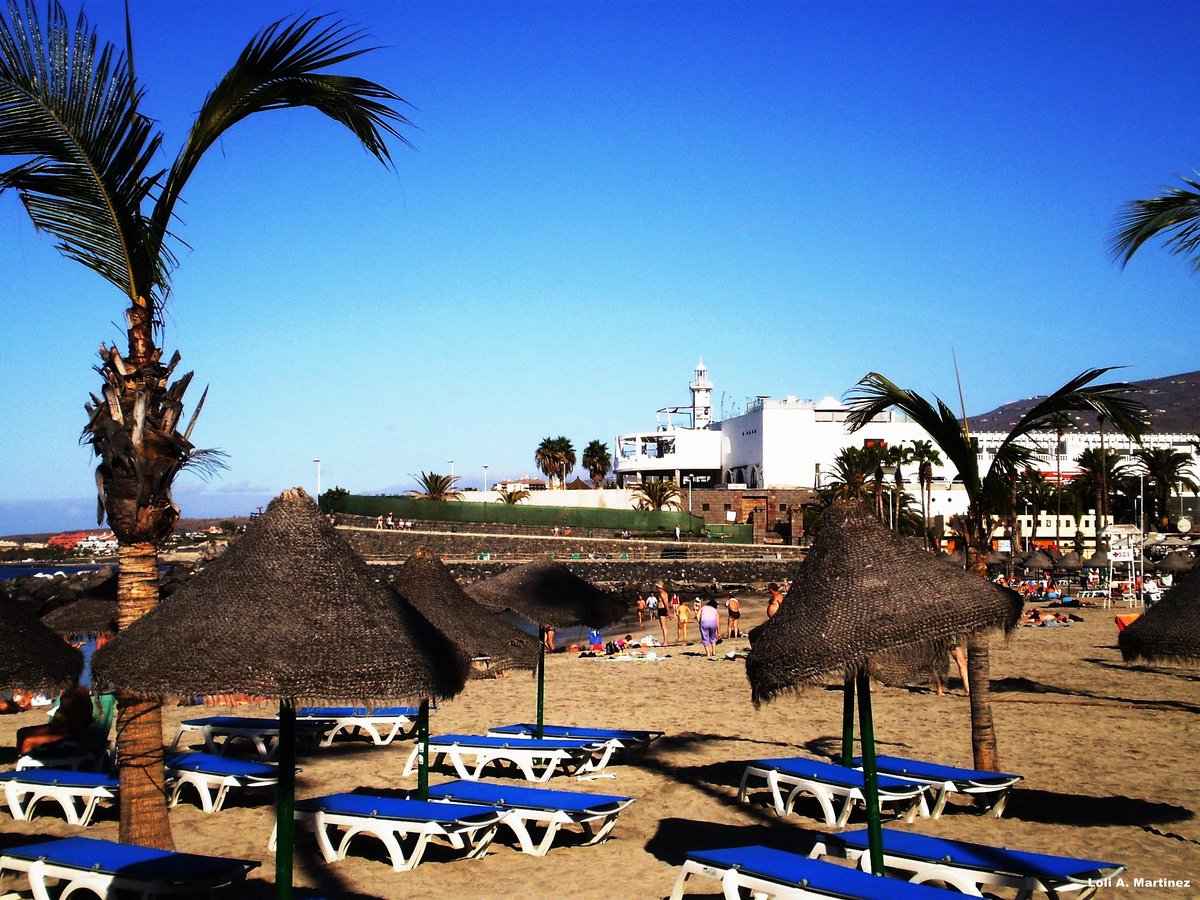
point(602, 193)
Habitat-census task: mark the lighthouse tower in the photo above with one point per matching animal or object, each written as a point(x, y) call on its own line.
point(701, 397)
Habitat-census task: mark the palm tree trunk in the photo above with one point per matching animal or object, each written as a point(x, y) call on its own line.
point(983, 728)
point(984, 745)
point(143, 807)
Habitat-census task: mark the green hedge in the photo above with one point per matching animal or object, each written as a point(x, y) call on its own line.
point(518, 514)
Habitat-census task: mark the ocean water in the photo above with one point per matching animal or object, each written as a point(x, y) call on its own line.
point(16, 571)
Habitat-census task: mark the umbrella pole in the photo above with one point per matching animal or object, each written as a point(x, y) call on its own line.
point(870, 773)
point(423, 758)
point(848, 722)
point(285, 800)
point(541, 686)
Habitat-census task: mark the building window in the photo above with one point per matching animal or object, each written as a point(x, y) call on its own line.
point(704, 507)
point(783, 507)
point(728, 507)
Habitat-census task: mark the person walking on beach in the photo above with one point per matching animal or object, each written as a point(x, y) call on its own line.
point(733, 612)
point(641, 611)
point(710, 624)
point(664, 612)
point(683, 616)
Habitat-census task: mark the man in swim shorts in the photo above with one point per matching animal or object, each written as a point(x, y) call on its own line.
point(733, 610)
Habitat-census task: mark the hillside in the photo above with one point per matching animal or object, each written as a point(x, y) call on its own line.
point(1174, 403)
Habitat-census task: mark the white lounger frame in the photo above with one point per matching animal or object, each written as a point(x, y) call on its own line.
point(474, 837)
point(381, 729)
point(585, 763)
point(23, 797)
point(965, 880)
point(827, 794)
point(206, 783)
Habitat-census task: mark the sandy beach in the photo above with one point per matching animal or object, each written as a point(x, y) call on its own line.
point(1110, 755)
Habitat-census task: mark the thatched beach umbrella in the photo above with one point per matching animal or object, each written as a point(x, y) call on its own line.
point(88, 617)
point(551, 595)
point(1069, 561)
point(32, 657)
point(427, 585)
point(1037, 561)
point(865, 593)
point(1176, 561)
point(1169, 630)
point(288, 611)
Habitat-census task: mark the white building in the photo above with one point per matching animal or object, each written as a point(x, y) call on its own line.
point(792, 443)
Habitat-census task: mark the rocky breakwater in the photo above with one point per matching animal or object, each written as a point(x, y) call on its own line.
point(41, 594)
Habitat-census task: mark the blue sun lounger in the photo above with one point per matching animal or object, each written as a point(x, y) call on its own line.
point(633, 742)
point(105, 867)
point(207, 773)
point(536, 759)
point(970, 867)
point(464, 827)
point(382, 724)
point(989, 789)
point(525, 806)
point(78, 793)
point(790, 777)
point(776, 873)
point(262, 733)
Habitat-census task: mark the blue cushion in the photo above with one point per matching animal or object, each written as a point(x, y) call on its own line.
point(349, 712)
point(489, 743)
point(814, 875)
point(915, 768)
point(92, 854)
point(570, 731)
point(376, 807)
point(980, 857)
point(828, 773)
point(210, 764)
point(524, 797)
point(64, 777)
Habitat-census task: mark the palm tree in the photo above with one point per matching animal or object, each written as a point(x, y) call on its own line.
point(564, 452)
point(1034, 489)
point(926, 456)
point(598, 462)
point(853, 473)
point(1097, 470)
point(436, 487)
point(1175, 216)
point(988, 495)
point(87, 175)
point(546, 459)
point(657, 495)
point(1165, 467)
point(512, 495)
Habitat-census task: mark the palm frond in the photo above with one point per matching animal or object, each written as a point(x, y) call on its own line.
point(69, 109)
point(874, 394)
point(1114, 401)
point(280, 69)
point(206, 463)
point(1174, 216)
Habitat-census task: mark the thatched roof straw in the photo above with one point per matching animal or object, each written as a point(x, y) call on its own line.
point(550, 594)
point(32, 657)
point(998, 558)
point(1098, 560)
point(1170, 629)
point(289, 611)
point(88, 617)
point(1176, 561)
point(1069, 561)
point(425, 583)
point(1037, 560)
point(866, 592)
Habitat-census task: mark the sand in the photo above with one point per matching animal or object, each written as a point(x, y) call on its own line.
point(1110, 755)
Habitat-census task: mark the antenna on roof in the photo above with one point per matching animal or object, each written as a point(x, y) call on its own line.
point(961, 403)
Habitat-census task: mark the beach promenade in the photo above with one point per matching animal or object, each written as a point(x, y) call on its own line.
point(1110, 754)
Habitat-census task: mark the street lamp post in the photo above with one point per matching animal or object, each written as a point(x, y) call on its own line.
point(687, 479)
point(451, 467)
point(485, 468)
point(318, 462)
